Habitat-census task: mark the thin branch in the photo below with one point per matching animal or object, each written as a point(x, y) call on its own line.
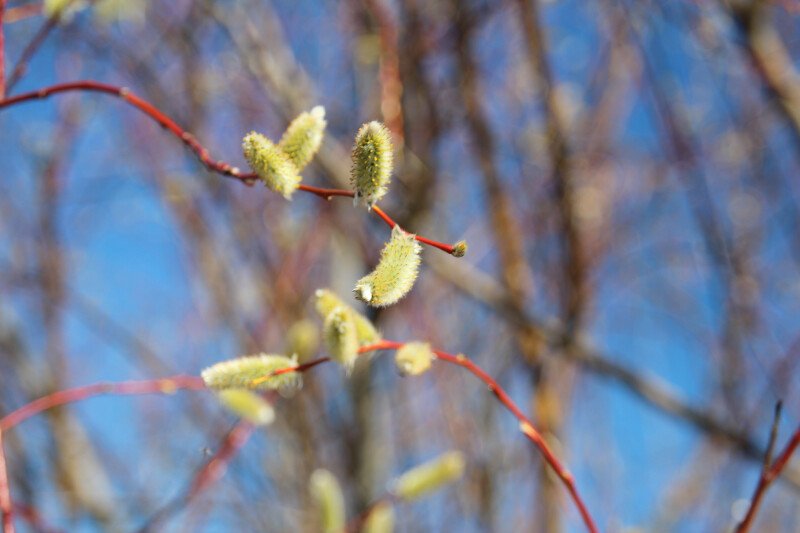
point(202, 153)
point(2, 51)
point(768, 475)
point(150, 386)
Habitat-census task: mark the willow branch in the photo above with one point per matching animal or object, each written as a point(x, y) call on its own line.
point(202, 153)
point(768, 475)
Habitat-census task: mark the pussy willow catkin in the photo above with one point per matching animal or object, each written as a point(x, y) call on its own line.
point(373, 158)
point(271, 164)
point(395, 274)
point(341, 339)
point(326, 301)
point(253, 372)
point(303, 137)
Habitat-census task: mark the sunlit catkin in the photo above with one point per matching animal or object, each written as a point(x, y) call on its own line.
point(247, 405)
point(327, 495)
point(303, 137)
point(326, 301)
point(430, 476)
point(414, 358)
point(395, 274)
point(271, 164)
point(253, 372)
point(341, 340)
point(372, 163)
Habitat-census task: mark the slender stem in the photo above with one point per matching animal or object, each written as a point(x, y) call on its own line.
point(202, 153)
point(215, 468)
point(6, 507)
point(768, 475)
point(150, 386)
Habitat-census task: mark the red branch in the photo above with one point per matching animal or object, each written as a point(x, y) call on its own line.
point(220, 167)
point(215, 469)
point(6, 507)
point(150, 386)
point(768, 475)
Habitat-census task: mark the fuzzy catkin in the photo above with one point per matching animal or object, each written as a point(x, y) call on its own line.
point(327, 495)
point(302, 139)
point(414, 358)
point(341, 340)
point(430, 476)
point(326, 301)
point(271, 164)
point(395, 274)
point(373, 158)
point(247, 405)
point(253, 372)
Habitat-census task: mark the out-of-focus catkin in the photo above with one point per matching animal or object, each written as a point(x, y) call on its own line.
point(247, 405)
point(326, 301)
point(414, 358)
point(327, 495)
point(430, 476)
point(341, 339)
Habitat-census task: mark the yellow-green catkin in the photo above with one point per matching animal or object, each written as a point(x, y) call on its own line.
point(430, 476)
point(247, 405)
point(303, 137)
point(380, 520)
point(373, 158)
point(395, 274)
point(327, 495)
point(414, 358)
point(253, 372)
point(302, 339)
point(341, 340)
point(326, 301)
point(271, 164)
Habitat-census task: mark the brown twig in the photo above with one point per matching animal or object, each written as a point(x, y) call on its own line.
point(768, 474)
point(218, 166)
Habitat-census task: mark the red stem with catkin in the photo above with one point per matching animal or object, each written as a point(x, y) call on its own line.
point(182, 382)
point(218, 166)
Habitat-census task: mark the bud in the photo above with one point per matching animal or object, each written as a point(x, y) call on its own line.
point(372, 163)
point(302, 339)
point(269, 162)
point(459, 249)
point(339, 331)
point(303, 137)
point(430, 476)
point(414, 358)
point(327, 301)
point(247, 405)
point(395, 274)
point(253, 372)
point(329, 500)
point(381, 519)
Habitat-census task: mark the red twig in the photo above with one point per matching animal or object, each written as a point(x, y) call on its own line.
point(6, 507)
point(768, 475)
point(215, 468)
point(221, 167)
point(150, 386)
